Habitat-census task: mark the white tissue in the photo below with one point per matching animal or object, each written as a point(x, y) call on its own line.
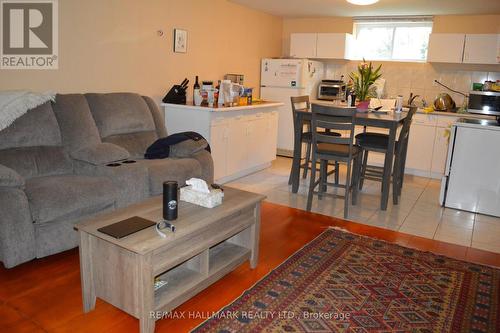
point(198, 185)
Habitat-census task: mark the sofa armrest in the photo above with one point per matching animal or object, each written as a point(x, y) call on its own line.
point(10, 178)
point(100, 154)
point(17, 233)
point(207, 165)
point(187, 148)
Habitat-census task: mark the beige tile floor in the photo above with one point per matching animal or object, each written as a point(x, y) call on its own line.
point(418, 212)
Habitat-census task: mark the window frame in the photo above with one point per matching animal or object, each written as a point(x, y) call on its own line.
point(394, 24)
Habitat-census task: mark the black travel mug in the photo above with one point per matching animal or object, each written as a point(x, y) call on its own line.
point(170, 200)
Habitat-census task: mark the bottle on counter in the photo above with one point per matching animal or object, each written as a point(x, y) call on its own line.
point(196, 89)
point(352, 95)
point(216, 95)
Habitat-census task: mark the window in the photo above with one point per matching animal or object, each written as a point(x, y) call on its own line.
point(392, 39)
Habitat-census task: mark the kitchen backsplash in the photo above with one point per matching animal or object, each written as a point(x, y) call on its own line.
point(402, 78)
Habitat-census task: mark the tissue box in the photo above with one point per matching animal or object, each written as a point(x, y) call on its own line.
point(208, 200)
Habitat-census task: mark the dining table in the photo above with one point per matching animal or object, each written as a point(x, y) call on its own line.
point(389, 120)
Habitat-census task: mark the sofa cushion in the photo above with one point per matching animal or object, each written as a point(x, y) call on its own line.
point(75, 120)
point(178, 170)
point(101, 153)
point(120, 113)
point(38, 127)
point(37, 161)
point(10, 178)
point(54, 197)
point(135, 143)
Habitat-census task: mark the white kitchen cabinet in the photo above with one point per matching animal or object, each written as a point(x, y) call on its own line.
point(421, 145)
point(303, 45)
point(320, 45)
point(218, 145)
point(440, 150)
point(271, 136)
point(446, 48)
point(256, 140)
point(333, 45)
point(237, 147)
point(481, 49)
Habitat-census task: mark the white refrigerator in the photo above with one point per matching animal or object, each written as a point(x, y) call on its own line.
point(472, 176)
point(283, 78)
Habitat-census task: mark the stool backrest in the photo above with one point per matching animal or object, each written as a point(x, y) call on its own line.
point(333, 118)
point(299, 103)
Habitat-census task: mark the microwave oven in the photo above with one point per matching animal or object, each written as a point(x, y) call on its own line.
point(484, 102)
point(330, 90)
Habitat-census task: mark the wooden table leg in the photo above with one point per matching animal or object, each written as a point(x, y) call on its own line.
point(86, 272)
point(255, 235)
point(146, 294)
point(297, 152)
point(386, 178)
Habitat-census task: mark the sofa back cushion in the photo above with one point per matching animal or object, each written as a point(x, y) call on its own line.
point(120, 113)
point(78, 128)
point(32, 145)
point(32, 162)
point(38, 127)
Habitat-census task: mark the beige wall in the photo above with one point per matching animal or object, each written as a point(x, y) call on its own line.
point(113, 45)
point(472, 24)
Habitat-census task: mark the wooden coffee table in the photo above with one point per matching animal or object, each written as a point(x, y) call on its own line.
point(207, 244)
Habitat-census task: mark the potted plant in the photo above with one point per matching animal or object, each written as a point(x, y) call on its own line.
point(362, 83)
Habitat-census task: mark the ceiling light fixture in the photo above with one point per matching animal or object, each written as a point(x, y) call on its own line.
point(362, 2)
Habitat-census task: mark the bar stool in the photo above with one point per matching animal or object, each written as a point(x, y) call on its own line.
point(334, 148)
point(378, 142)
point(301, 103)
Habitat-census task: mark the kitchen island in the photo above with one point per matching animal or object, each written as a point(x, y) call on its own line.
point(242, 138)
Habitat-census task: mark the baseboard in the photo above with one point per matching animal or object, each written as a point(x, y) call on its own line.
point(242, 173)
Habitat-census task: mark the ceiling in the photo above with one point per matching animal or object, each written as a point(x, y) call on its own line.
point(303, 8)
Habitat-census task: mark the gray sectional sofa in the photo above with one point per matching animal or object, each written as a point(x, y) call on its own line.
point(58, 166)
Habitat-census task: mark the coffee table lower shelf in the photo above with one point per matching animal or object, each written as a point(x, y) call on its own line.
point(189, 278)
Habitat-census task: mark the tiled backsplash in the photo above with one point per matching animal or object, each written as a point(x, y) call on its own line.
point(418, 78)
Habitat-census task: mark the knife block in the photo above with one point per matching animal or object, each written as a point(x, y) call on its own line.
point(176, 95)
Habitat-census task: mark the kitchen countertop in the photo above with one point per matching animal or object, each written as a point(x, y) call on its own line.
point(436, 113)
point(454, 114)
point(217, 108)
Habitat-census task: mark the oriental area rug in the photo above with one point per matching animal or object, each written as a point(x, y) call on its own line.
point(341, 282)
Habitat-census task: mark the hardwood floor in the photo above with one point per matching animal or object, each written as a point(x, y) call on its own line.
point(44, 295)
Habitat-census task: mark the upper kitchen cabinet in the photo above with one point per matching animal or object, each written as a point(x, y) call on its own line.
point(482, 49)
point(303, 45)
point(464, 48)
point(333, 45)
point(446, 48)
point(320, 45)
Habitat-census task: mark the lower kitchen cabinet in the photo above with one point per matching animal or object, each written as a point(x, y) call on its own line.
point(420, 149)
point(243, 143)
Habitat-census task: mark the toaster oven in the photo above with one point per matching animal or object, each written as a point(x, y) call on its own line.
point(330, 90)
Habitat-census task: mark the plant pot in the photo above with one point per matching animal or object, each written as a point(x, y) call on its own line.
point(363, 106)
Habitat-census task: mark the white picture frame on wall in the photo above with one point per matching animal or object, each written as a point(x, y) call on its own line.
point(180, 41)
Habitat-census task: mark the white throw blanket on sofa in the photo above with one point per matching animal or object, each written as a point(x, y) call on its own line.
point(14, 104)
